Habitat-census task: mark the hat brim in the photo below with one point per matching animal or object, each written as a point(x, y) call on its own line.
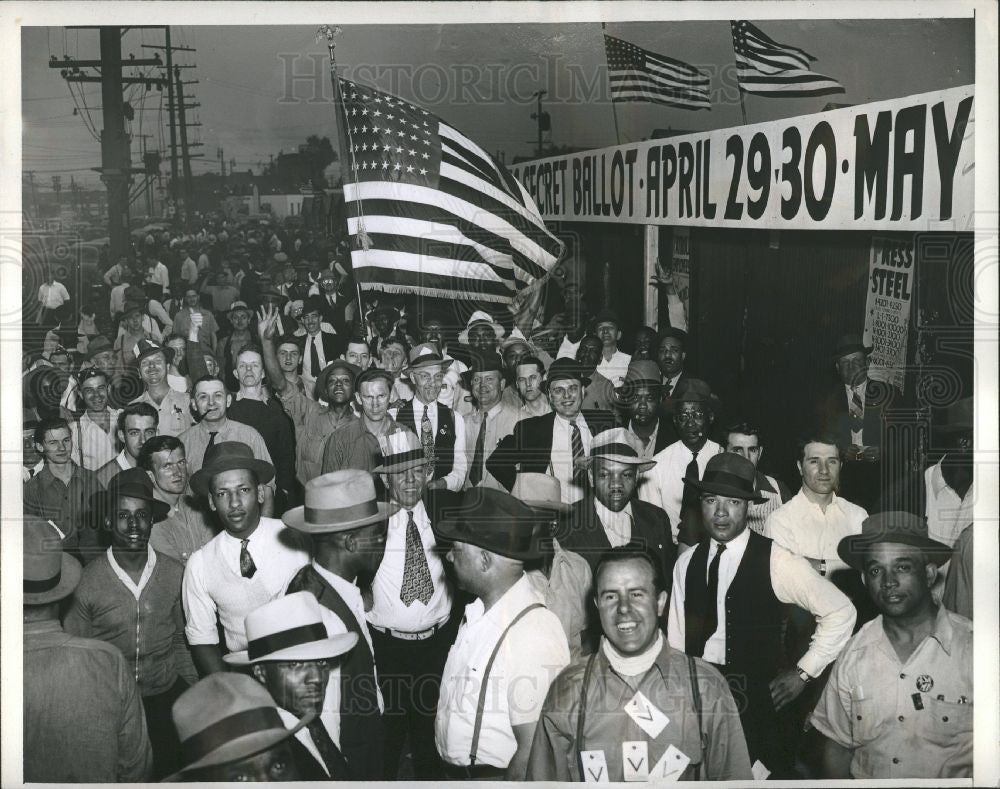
point(498, 330)
point(102, 499)
point(583, 379)
point(845, 350)
point(331, 647)
point(444, 364)
point(242, 748)
point(459, 531)
point(69, 578)
point(671, 403)
point(854, 548)
point(545, 507)
point(395, 468)
point(201, 478)
point(720, 489)
point(619, 393)
point(295, 518)
point(628, 460)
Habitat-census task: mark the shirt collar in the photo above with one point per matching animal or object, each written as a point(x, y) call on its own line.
point(346, 589)
point(513, 601)
point(124, 577)
point(763, 483)
point(735, 544)
point(806, 501)
point(576, 420)
point(607, 516)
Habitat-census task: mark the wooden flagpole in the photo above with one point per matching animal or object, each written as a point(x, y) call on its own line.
point(614, 109)
point(346, 157)
point(743, 107)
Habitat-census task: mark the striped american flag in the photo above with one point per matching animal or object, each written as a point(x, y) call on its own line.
point(767, 68)
point(430, 212)
point(636, 74)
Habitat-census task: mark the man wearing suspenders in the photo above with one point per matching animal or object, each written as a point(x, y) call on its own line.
point(509, 647)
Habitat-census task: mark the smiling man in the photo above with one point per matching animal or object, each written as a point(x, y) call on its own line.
point(172, 406)
point(899, 703)
point(94, 433)
point(136, 424)
point(595, 713)
point(246, 565)
point(728, 607)
point(492, 421)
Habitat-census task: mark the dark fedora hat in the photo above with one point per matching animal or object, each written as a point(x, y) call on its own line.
point(314, 303)
point(50, 573)
point(692, 390)
point(849, 343)
point(641, 372)
point(898, 527)
point(482, 363)
point(564, 369)
point(98, 344)
point(728, 474)
point(145, 348)
point(134, 483)
point(957, 417)
point(227, 456)
point(493, 520)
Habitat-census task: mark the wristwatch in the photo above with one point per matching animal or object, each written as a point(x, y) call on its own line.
point(803, 675)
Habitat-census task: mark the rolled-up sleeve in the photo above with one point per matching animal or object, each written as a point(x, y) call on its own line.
point(831, 717)
point(199, 608)
point(455, 479)
point(795, 582)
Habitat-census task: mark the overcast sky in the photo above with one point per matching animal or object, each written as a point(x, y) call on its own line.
point(478, 77)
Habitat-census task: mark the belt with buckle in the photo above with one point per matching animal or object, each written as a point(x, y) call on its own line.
point(421, 635)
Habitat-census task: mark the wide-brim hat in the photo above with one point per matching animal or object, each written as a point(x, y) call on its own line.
point(692, 390)
point(270, 293)
point(319, 391)
point(145, 348)
point(959, 417)
point(50, 574)
point(133, 305)
point(563, 369)
point(849, 343)
point(339, 501)
point(134, 483)
point(426, 355)
point(492, 520)
point(313, 303)
point(898, 527)
point(619, 445)
point(479, 316)
point(539, 491)
point(289, 628)
point(488, 362)
point(731, 475)
point(604, 316)
point(641, 372)
point(516, 338)
point(227, 456)
point(225, 717)
point(98, 344)
point(239, 304)
point(400, 451)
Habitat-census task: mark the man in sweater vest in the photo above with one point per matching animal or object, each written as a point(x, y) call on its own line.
point(441, 434)
point(348, 526)
point(728, 606)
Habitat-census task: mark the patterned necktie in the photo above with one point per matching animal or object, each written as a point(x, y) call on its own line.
point(427, 438)
point(336, 764)
point(857, 410)
point(576, 443)
point(247, 567)
point(417, 583)
point(476, 472)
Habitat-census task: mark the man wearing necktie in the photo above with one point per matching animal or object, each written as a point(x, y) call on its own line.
point(321, 345)
point(410, 620)
point(293, 654)
point(728, 607)
point(493, 421)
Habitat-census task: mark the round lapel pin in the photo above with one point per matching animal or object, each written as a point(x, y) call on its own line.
point(924, 683)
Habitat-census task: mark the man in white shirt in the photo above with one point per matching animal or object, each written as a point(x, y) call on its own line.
point(529, 376)
point(727, 606)
point(293, 653)
point(52, 295)
point(492, 421)
point(614, 363)
point(136, 424)
point(157, 274)
point(411, 611)
point(189, 269)
point(348, 527)
point(94, 433)
point(693, 407)
point(247, 564)
point(509, 647)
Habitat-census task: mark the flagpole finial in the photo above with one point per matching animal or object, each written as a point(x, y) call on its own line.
point(328, 33)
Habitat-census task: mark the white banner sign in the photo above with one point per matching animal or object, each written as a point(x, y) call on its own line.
point(891, 283)
point(903, 164)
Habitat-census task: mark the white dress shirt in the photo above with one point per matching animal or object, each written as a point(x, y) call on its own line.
point(617, 525)
point(947, 513)
point(213, 585)
point(53, 296)
point(614, 369)
point(388, 611)
point(454, 479)
point(663, 485)
point(792, 580)
point(561, 460)
point(92, 446)
point(308, 372)
point(803, 528)
point(500, 422)
point(530, 657)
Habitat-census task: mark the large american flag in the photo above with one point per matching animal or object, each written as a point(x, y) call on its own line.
point(430, 212)
point(765, 67)
point(636, 74)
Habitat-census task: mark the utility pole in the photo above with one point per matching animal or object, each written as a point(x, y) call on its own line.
point(116, 165)
point(222, 162)
point(544, 122)
point(31, 191)
point(185, 153)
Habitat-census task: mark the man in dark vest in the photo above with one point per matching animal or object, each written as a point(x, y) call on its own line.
point(728, 607)
point(441, 434)
point(348, 528)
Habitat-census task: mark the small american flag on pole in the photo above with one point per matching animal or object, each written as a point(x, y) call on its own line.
point(636, 74)
point(430, 212)
point(767, 68)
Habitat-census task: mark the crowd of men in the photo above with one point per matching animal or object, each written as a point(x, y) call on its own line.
point(271, 535)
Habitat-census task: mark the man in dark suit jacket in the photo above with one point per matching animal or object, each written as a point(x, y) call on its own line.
point(853, 412)
point(610, 515)
point(639, 409)
point(334, 303)
point(548, 443)
point(319, 346)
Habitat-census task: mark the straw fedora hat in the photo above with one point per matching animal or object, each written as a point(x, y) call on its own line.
point(339, 501)
point(426, 355)
point(539, 491)
point(50, 574)
point(226, 717)
point(479, 316)
point(616, 444)
point(400, 451)
point(290, 628)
